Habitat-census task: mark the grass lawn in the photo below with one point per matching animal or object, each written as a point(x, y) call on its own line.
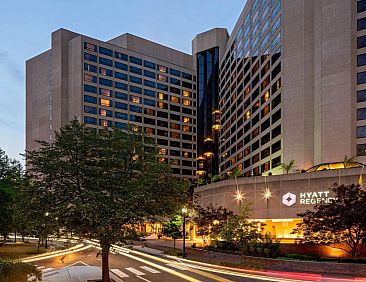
point(20, 250)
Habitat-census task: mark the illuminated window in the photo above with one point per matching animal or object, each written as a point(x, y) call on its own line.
point(186, 93)
point(186, 119)
point(104, 123)
point(186, 102)
point(135, 99)
point(266, 96)
point(90, 78)
point(187, 128)
point(265, 111)
point(135, 128)
point(105, 102)
point(161, 96)
point(162, 151)
point(174, 126)
point(162, 105)
point(174, 99)
point(90, 47)
point(186, 154)
point(162, 78)
point(175, 162)
point(175, 135)
point(247, 91)
point(162, 69)
point(105, 92)
point(247, 115)
point(149, 112)
point(162, 160)
point(103, 112)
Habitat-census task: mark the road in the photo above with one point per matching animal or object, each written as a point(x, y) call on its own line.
point(130, 265)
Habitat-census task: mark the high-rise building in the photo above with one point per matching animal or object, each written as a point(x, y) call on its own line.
point(125, 82)
point(287, 84)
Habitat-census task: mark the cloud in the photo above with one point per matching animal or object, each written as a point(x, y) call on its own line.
point(8, 64)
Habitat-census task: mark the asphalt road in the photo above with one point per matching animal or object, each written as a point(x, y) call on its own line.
point(136, 266)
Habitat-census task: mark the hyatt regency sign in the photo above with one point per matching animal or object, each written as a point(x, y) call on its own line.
point(307, 198)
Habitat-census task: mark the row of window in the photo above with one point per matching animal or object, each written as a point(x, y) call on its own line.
point(135, 60)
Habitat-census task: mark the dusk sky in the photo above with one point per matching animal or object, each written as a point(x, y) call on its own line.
point(26, 27)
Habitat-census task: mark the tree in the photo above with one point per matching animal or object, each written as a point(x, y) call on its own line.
point(235, 173)
point(10, 175)
point(240, 231)
point(103, 182)
point(210, 220)
point(171, 228)
point(200, 181)
point(289, 166)
point(214, 178)
point(16, 271)
point(342, 220)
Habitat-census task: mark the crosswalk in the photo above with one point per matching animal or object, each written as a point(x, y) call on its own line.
point(120, 274)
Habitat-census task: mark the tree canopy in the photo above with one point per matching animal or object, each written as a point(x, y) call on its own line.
point(99, 183)
point(341, 221)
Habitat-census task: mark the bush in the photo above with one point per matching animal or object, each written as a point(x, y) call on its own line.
point(17, 271)
point(299, 257)
point(172, 252)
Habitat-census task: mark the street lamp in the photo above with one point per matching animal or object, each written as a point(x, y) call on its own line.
point(267, 195)
point(184, 212)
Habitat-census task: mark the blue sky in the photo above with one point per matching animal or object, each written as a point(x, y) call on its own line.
point(26, 26)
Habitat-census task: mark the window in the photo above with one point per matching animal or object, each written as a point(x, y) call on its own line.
point(361, 77)
point(186, 93)
point(90, 78)
point(135, 70)
point(136, 89)
point(90, 57)
point(105, 72)
point(174, 108)
point(162, 123)
point(121, 115)
point(361, 114)
point(163, 78)
point(175, 81)
point(276, 116)
point(174, 90)
point(135, 109)
point(105, 51)
point(162, 96)
point(361, 149)
point(135, 79)
point(149, 74)
point(105, 92)
point(361, 132)
point(121, 125)
point(276, 147)
point(90, 120)
point(361, 24)
point(90, 68)
point(186, 76)
point(149, 65)
point(105, 102)
point(361, 96)
point(90, 88)
point(162, 114)
point(174, 126)
point(135, 118)
point(162, 69)
point(174, 99)
point(186, 119)
point(149, 83)
point(162, 86)
point(162, 105)
point(120, 85)
point(90, 47)
point(121, 66)
point(361, 60)
point(175, 72)
point(186, 102)
point(149, 112)
point(106, 62)
point(187, 128)
point(149, 102)
point(135, 60)
point(135, 99)
point(90, 99)
point(186, 84)
point(175, 135)
point(361, 6)
point(276, 131)
point(105, 113)
point(120, 56)
point(149, 93)
point(90, 110)
point(121, 106)
point(105, 82)
point(361, 42)
point(120, 95)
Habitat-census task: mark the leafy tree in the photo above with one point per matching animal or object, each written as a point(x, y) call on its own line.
point(101, 183)
point(288, 167)
point(240, 231)
point(16, 271)
point(10, 175)
point(214, 178)
point(348, 161)
point(200, 181)
point(341, 221)
point(235, 173)
point(172, 228)
point(210, 220)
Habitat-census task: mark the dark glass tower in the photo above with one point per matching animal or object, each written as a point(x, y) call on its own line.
point(208, 125)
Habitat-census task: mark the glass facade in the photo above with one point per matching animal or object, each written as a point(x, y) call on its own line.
point(208, 124)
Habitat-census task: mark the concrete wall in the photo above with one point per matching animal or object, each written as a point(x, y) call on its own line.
point(223, 193)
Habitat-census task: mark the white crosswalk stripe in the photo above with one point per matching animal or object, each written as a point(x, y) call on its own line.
point(176, 266)
point(119, 273)
point(40, 267)
point(135, 271)
point(47, 270)
point(149, 269)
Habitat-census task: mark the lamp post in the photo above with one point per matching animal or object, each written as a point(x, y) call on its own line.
point(184, 212)
point(46, 229)
point(267, 195)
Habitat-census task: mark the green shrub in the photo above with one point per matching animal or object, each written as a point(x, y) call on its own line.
point(17, 271)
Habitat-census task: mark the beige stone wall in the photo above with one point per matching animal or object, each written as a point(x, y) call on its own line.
point(223, 193)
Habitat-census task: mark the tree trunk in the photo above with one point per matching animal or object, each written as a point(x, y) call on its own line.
point(174, 244)
point(15, 236)
point(39, 242)
point(46, 246)
point(105, 261)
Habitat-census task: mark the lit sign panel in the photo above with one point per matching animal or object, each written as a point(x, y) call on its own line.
point(307, 198)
